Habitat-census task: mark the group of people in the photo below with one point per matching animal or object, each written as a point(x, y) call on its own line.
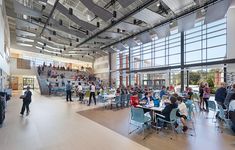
point(169, 100)
point(80, 93)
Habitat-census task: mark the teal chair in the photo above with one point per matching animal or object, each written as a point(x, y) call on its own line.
point(140, 95)
point(212, 107)
point(102, 100)
point(116, 101)
point(138, 119)
point(222, 116)
point(172, 121)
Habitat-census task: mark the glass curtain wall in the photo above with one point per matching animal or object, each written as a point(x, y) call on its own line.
point(203, 43)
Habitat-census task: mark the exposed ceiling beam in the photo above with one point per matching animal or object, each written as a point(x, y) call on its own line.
point(49, 17)
point(134, 11)
point(185, 13)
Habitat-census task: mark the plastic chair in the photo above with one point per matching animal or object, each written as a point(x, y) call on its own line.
point(223, 117)
point(137, 116)
point(172, 121)
point(116, 101)
point(140, 95)
point(212, 107)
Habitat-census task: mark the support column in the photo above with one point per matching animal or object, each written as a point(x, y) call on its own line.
point(129, 60)
point(225, 73)
point(110, 69)
point(182, 62)
point(187, 78)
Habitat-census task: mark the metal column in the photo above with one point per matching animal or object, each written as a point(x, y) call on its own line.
point(110, 69)
point(225, 73)
point(182, 62)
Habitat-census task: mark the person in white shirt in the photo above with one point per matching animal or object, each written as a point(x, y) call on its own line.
point(80, 91)
point(92, 93)
point(183, 112)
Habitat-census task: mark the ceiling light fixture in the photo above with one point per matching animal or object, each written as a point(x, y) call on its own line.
point(77, 39)
point(98, 24)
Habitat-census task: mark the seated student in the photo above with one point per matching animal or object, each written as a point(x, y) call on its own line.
point(146, 99)
point(232, 114)
point(190, 93)
point(183, 113)
point(163, 92)
point(134, 100)
point(167, 110)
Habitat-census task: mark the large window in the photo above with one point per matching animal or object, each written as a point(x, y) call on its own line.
point(206, 43)
point(203, 43)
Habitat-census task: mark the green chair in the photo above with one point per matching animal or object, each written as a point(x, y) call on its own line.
point(138, 119)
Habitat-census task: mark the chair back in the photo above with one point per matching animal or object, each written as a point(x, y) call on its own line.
point(137, 114)
point(117, 99)
point(221, 112)
point(212, 105)
point(140, 95)
point(154, 94)
point(173, 116)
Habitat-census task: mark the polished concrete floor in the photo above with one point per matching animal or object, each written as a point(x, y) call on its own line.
point(207, 135)
point(54, 125)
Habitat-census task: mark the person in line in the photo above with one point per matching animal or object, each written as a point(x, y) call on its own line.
point(220, 96)
point(229, 96)
point(182, 114)
point(68, 92)
point(26, 101)
point(80, 92)
point(92, 93)
point(201, 102)
point(163, 92)
point(206, 95)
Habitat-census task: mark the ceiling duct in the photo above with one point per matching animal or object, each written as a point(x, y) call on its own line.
point(73, 18)
point(97, 10)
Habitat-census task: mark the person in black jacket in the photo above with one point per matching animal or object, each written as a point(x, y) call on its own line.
point(26, 101)
point(220, 94)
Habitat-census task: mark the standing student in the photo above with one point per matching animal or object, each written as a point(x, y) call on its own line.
point(26, 101)
point(201, 102)
point(80, 91)
point(68, 92)
point(92, 93)
point(206, 95)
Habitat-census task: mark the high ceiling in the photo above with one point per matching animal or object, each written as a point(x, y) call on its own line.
point(87, 29)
